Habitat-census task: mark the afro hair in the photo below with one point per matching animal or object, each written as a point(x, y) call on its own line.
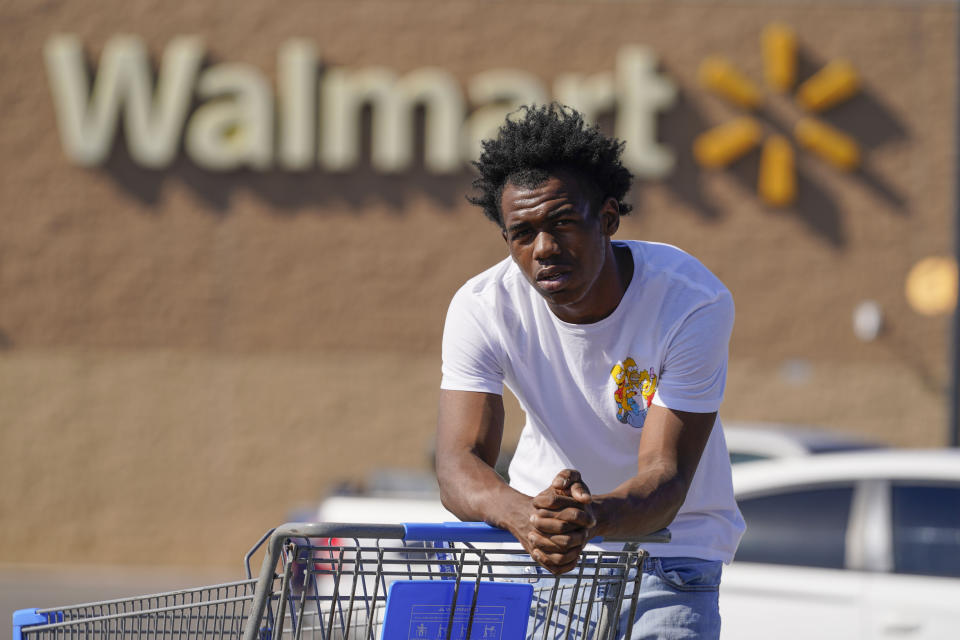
point(544, 139)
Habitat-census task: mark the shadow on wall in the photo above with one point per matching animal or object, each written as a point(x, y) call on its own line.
point(287, 191)
point(863, 117)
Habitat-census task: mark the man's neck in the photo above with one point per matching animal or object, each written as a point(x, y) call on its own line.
point(611, 286)
point(625, 267)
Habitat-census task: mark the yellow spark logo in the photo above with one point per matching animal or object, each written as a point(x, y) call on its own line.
point(833, 84)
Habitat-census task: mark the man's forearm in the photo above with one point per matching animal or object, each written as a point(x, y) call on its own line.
point(645, 503)
point(670, 451)
point(473, 491)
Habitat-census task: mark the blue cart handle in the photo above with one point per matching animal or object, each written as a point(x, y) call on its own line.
point(482, 532)
point(455, 532)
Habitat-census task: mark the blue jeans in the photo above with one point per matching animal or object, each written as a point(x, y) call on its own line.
point(678, 599)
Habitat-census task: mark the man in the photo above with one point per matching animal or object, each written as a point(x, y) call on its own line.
point(617, 352)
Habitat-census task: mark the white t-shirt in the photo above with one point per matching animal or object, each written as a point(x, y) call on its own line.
point(586, 388)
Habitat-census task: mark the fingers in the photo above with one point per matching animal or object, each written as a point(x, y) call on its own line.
point(556, 563)
point(566, 479)
point(568, 482)
point(564, 506)
point(552, 522)
point(555, 501)
point(560, 524)
point(581, 493)
point(577, 495)
point(558, 554)
point(561, 543)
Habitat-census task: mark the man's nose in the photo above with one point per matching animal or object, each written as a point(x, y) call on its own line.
point(545, 246)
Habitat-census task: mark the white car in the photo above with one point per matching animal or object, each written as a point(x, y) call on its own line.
point(750, 441)
point(858, 545)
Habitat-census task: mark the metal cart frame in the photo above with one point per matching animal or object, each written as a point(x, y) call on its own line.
point(330, 581)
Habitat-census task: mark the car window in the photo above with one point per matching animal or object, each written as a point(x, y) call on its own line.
point(926, 529)
point(797, 527)
point(737, 457)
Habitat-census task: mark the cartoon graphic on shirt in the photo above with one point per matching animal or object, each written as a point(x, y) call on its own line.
point(631, 383)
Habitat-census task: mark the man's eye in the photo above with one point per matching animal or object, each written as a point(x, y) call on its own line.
point(521, 234)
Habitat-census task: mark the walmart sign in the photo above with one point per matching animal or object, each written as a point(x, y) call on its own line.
point(312, 119)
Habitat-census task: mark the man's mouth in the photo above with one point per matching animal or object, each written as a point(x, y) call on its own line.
point(552, 278)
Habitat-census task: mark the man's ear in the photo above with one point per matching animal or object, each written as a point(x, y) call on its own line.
point(609, 216)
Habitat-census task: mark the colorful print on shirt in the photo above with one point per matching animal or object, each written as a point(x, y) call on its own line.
point(635, 389)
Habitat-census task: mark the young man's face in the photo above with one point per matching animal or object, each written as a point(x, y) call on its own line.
point(563, 247)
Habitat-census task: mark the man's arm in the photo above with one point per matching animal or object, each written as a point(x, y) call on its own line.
point(670, 450)
point(693, 376)
point(469, 433)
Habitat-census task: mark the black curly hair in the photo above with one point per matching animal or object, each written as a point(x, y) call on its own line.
point(549, 138)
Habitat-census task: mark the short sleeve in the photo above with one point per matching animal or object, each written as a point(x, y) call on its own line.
point(470, 361)
point(694, 371)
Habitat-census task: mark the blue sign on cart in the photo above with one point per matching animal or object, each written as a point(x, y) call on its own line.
point(420, 610)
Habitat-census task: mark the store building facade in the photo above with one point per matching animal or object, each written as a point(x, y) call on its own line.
point(230, 232)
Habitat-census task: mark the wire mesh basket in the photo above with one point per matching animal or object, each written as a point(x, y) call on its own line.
point(449, 581)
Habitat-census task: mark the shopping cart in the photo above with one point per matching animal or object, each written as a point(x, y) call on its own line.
point(327, 581)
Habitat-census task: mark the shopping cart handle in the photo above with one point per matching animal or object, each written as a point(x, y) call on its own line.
point(482, 532)
point(456, 532)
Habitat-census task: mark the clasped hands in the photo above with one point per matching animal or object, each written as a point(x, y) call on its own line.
point(561, 522)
